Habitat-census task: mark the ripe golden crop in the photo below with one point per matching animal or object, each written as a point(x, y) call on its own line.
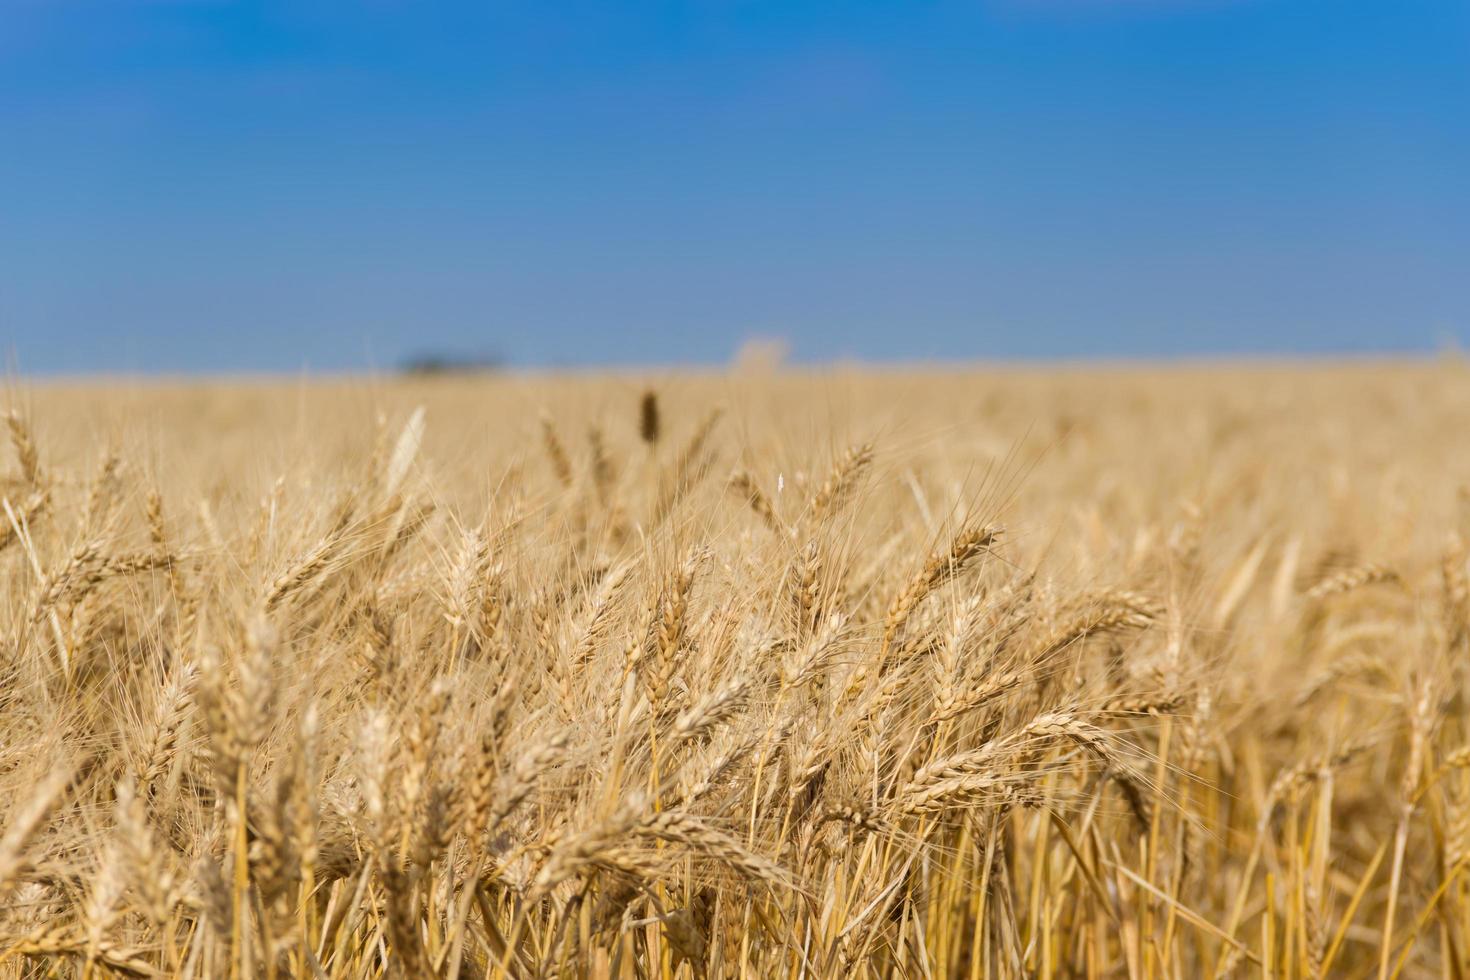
point(1128, 672)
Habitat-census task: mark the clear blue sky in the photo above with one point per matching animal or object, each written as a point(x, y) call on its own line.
point(207, 185)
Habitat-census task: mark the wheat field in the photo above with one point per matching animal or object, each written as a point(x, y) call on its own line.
point(1104, 672)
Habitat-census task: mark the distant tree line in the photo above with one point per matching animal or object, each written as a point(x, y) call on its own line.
point(433, 363)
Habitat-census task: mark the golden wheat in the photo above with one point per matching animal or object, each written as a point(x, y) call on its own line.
point(389, 678)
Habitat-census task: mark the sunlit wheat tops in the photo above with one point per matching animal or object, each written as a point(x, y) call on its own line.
point(859, 675)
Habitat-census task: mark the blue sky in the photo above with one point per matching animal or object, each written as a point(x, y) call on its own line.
point(195, 185)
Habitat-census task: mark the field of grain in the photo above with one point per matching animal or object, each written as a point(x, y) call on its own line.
point(1098, 672)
